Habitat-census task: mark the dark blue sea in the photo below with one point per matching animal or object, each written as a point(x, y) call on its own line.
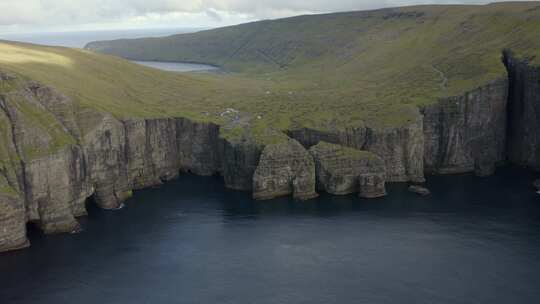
point(474, 240)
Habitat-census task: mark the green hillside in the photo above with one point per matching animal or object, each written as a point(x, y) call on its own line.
point(323, 71)
point(404, 55)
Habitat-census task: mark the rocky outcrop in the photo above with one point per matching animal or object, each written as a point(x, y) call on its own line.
point(467, 133)
point(523, 112)
point(58, 157)
point(198, 146)
point(284, 169)
point(54, 154)
point(401, 148)
point(12, 223)
point(56, 190)
point(372, 185)
point(420, 190)
point(342, 170)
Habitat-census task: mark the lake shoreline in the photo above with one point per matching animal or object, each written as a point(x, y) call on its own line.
point(180, 67)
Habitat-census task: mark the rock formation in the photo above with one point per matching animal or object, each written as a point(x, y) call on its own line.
point(55, 154)
point(401, 148)
point(372, 185)
point(467, 133)
point(420, 190)
point(523, 112)
point(46, 179)
point(341, 170)
point(12, 223)
point(285, 168)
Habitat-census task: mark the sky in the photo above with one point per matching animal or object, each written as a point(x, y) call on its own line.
point(24, 16)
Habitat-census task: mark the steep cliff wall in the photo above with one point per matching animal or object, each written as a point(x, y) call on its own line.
point(402, 148)
point(12, 223)
point(467, 133)
point(341, 170)
point(523, 112)
point(54, 154)
point(51, 166)
point(460, 134)
point(284, 169)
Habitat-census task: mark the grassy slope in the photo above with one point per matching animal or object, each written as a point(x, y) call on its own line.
point(324, 71)
point(347, 68)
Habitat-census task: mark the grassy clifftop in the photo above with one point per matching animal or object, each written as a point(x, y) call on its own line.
point(324, 71)
point(344, 69)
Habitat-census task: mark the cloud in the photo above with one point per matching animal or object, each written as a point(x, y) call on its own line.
point(125, 13)
point(214, 15)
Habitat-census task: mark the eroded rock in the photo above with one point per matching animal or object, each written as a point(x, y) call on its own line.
point(420, 190)
point(523, 112)
point(12, 223)
point(401, 148)
point(467, 133)
point(342, 170)
point(285, 168)
point(372, 185)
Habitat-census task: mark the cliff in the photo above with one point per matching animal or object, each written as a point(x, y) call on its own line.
point(523, 111)
point(342, 170)
point(53, 162)
point(285, 168)
point(108, 158)
point(467, 133)
point(401, 148)
point(420, 89)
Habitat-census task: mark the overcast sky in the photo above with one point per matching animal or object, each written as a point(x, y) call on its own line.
point(66, 15)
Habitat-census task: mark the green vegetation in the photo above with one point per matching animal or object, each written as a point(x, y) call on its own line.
point(348, 69)
point(325, 72)
point(338, 151)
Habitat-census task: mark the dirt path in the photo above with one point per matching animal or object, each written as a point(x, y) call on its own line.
point(444, 79)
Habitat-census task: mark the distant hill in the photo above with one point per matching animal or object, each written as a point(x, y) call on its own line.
point(431, 51)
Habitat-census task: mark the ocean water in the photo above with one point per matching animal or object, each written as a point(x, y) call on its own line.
point(475, 240)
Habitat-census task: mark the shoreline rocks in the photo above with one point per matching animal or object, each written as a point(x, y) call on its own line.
point(341, 170)
point(284, 169)
point(467, 133)
point(372, 185)
point(420, 190)
point(523, 111)
point(51, 166)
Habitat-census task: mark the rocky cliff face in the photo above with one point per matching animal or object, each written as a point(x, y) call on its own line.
point(341, 170)
point(524, 112)
point(467, 133)
point(54, 154)
point(401, 148)
point(284, 169)
point(12, 223)
point(100, 156)
point(239, 162)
